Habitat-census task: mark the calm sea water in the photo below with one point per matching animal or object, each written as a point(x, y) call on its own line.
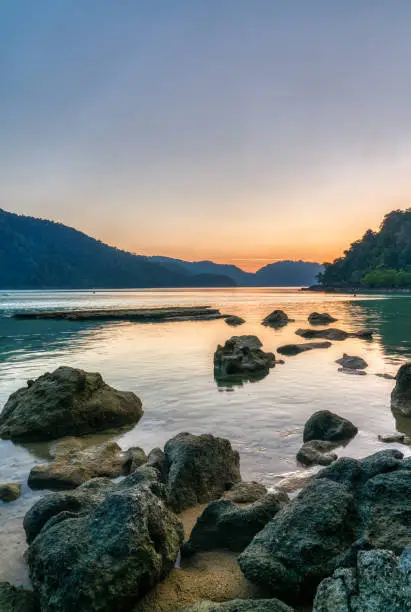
point(169, 365)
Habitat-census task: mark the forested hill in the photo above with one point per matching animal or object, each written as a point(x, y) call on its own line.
point(378, 259)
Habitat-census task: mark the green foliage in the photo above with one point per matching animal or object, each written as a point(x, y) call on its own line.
point(379, 259)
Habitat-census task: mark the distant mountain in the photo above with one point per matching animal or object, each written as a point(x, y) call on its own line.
point(41, 254)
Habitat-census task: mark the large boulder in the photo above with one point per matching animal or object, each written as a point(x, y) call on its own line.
point(223, 524)
point(242, 356)
point(9, 491)
point(71, 468)
point(200, 469)
point(13, 599)
point(296, 349)
point(66, 402)
point(401, 394)
point(105, 551)
point(351, 362)
point(334, 334)
point(277, 318)
point(351, 505)
point(240, 605)
point(316, 452)
point(321, 318)
point(378, 583)
point(328, 426)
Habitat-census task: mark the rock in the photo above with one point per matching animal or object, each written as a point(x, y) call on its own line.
point(107, 551)
point(139, 315)
point(67, 401)
point(9, 491)
point(223, 524)
point(242, 356)
point(277, 318)
point(293, 481)
point(296, 349)
point(333, 334)
point(71, 468)
point(379, 583)
point(375, 517)
point(352, 372)
point(352, 363)
point(240, 605)
point(201, 469)
point(321, 318)
point(157, 459)
point(350, 506)
point(393, 437)
point(13, 599)
point(401, 394)
point(233, 320)
point(325, 425)
point(386, 376)
point(316, 452)
point(245, 492)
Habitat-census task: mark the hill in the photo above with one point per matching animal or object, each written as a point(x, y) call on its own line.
point(288, 274)
point(380, 259)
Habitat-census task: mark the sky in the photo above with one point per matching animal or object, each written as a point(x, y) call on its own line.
point(242, 131)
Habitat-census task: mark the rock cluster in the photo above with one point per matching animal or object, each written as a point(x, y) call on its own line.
point(242, 356)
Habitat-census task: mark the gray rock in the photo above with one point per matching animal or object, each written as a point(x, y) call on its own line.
point(294, 481)
point(321, 318)
point(277, 318)
point(316, 452)
point(9, 491)
point(223, 524)
point(334, 334)
point(393, 437)
point(201, 469)
point(157, 459)
point(14, 599)
point(296, 349)
point(134, 457)
point(401, 394)
point(245, 492)
point(326, 425)
point(240, 605)
point(233, 320)
point(386, 376)
point(350, 362)
point(352, 372)
point(241, 356)
point(66, 402)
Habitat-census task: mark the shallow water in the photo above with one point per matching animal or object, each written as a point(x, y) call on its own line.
point(169, 365)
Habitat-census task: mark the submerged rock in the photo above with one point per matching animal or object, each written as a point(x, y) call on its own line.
point(317, 452)
point(296, 349)
point(223, 524)
point(321, 318)
point(242, 356)
point(245, 492)
point(13, 599)
point(240, 605)
point(325, 425)
point(200, 469)
point(350, 362)
point(378, 583)
point(277, 318)
point(66, 402)
point(334, 334)
point(392, 437)
point(9, 491)
point(401, 394)
point(233, 320)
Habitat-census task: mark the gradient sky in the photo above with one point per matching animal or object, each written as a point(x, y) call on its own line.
point(236, 130)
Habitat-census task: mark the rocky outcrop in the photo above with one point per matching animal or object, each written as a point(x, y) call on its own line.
point(72, 468)
point(401, 394)
point(66, 402)
point(200, 469)
point(240, 605)
point(223, 524)
point(245, 492)
point(350, 362)
point(325, 425)
point(334, 334)
point(242, 356)
point(316, 452)
point(117, 541)
point(351, 505)
point(296, 349)
point(321, 318)
point(277, 318)
point(9, 491)
point(233, 320)
point(14, 599)
point(378, 583)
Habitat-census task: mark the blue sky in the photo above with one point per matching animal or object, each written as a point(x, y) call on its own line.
point(232, 130)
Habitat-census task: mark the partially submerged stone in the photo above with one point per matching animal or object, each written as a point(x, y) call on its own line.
point(334, 334)
point(321, 318)
point(277, 318)
point(351, 362)
point(296, 349)
point(234, 320)
point(326, 425)
point(15, 599)
point(401, 394)
point(241, 356)
point(317, 452)
point(67, 402)
point(392, 437)
point(9, 491)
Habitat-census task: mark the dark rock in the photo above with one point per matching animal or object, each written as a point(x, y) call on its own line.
point(296, 349)
point(349, 362)
point(321, 318)
point(316, 452)
point(352, 372)
point(134, 457)
point(223, 524)
point(242, 356)
point(9, 491)
point(333, 334)
point(245, 492)
point(157, 459)
point(277, 318)
point(325, 425)
point(401, 394)
point(379, 583)
point(233, 320)
point(14, 599)
point(393, 437)
point(201, 469)
point(386, 376)
point(67, 401)
point(240, 605)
